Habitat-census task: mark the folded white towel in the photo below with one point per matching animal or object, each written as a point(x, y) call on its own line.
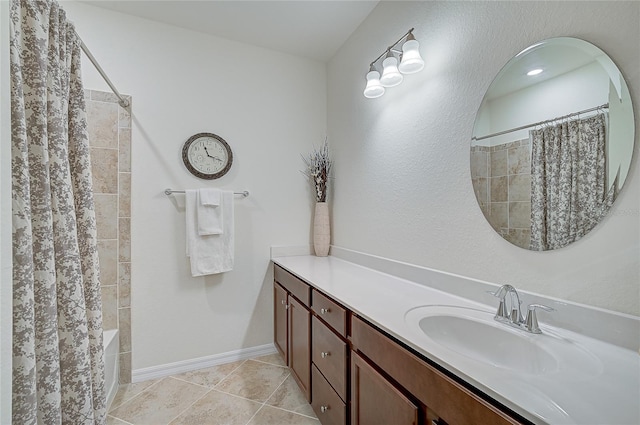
point(209, 254)
point(209, 212)
point(209, 197)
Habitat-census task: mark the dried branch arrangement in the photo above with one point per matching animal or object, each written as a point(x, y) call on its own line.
point(318, 170)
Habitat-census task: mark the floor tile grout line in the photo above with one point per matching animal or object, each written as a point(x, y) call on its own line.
point(282, 408)
point(215, 388)
point(112, 408)
point(190, 406)
point(230, 373)
point(277, 388)
point(190, 382)
point(121, 420)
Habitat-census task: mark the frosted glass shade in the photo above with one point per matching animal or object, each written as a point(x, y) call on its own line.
point(390, 75)
point(374, 88)
point(411, 60)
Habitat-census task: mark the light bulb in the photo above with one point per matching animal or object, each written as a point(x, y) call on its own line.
point(374, 88)
point(390, 75)
point(411, 60)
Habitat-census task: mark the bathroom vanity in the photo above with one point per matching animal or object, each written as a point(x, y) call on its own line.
point(354, 340)
point(327, 346)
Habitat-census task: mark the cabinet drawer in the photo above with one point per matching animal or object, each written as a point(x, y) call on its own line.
point(295, 286)
point(454, 403)
point(329, 408)
point(329, 311)
point(329, 354)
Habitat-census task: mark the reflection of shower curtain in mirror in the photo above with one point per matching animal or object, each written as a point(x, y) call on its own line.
point(568, 181)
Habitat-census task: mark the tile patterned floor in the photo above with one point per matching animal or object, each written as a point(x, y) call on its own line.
point(258, 391)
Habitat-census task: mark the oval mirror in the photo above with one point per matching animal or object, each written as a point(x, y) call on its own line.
point(552, 143)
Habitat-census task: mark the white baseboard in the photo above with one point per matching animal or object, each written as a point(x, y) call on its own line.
point(160, 371)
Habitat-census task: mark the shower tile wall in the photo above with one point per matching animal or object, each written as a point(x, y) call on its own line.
point(501, 177)
point(109, 128)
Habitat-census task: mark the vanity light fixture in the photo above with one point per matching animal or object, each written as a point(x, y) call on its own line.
point(410, 63)
point(374, 88)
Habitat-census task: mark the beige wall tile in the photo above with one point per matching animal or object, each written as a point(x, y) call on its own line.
point(124, 148)
point(520, 187)
point(103, 96)
point(479, 164)
point(124, 194)
point(125, 368)
point(102, 124)
point(124, 239)
point(124, 285)
point(106, 215)
point(109, 307)
point(519, 237)
point(499, 216)
point(519, 160)
point(520, 215)
point(108, 255)
point(124, 327)
point(104, 170)
point(481, 189)
point(499, 189)
point(124, 115)
point(498, 162)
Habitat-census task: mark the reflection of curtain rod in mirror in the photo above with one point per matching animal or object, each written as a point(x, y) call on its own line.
point(604, 106)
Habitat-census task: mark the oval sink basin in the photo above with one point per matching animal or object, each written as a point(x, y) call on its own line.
point(474, 334)
point(488, 343)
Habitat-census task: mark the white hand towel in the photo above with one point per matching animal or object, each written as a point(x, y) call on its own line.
point(209, 212)
point(209, 254)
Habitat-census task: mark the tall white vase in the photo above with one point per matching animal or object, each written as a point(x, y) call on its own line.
point(321, 230)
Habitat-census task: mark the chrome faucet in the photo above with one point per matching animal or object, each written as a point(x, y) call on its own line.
point(513, 315)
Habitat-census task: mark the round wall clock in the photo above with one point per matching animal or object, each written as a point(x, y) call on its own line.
point(207, 156)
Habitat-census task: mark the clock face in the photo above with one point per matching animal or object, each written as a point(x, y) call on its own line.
point(207, 156)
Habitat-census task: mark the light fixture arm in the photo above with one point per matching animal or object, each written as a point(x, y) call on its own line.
point(391, 48)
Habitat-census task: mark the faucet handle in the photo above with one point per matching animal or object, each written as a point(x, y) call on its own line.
point(531, 323)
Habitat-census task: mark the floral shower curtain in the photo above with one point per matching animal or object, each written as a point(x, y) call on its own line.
point(568, 181)
point(58, 366)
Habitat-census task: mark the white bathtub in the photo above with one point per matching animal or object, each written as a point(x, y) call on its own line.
point(111, 349)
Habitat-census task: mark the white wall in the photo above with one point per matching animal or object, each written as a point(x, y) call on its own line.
point(6, 294)
point(402, 181)
point(556, 97)
point(270, 107)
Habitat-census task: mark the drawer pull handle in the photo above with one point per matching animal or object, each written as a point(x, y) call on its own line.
point(282, 302)
point(323, 409)
point(324, 354)
point(324, 311)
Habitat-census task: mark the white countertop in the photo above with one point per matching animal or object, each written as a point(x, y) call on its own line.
point(606, 394)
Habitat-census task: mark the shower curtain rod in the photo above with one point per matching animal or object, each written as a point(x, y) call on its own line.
point(122, 101)
point(604, 106)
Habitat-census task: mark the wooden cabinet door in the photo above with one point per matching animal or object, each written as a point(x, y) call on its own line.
point(375, 401)
point(280, 320)
point(300, 345)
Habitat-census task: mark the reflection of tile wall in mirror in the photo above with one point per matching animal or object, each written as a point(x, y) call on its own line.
point(501, 178)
